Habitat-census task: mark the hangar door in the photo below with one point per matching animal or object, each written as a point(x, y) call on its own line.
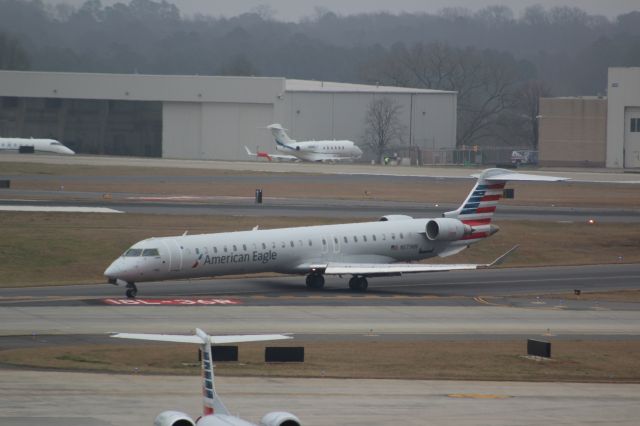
point(632, 138)
point(228, 127)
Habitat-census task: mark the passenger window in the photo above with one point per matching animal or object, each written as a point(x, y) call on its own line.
point(284, 244)
point(225, 249)
point(244, 247)
point(235, 248)
point(150, 252)
point(364, 238)
point(310, 243)
point(401, 236)
point(355, 239)
point(273, 244)
point(335, 240)
point(374, 237)
point(264, 246)
point(346, 240)
point(215, 249)
point(393, 236)
point(324, 242)
point(292, 245)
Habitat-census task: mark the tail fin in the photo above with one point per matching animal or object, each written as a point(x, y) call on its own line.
point(480, 205)
point(211, 402)
point(280, 135)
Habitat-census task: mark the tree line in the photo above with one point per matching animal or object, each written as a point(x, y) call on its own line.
point(499, 63)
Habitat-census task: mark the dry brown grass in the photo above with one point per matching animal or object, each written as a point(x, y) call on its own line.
point(593, 361)
point(566, 194)
point(65, 248)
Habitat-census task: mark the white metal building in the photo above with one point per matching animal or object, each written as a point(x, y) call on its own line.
point(623, 118)
point(205, 117)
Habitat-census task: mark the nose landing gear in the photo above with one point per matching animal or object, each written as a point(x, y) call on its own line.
point(132, 290)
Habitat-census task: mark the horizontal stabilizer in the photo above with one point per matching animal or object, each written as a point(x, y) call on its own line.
point(178, 338)
point(508, 175)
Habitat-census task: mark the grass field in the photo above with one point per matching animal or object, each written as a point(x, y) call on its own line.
point(562, 194)
point(576, 360)
point(64, 248)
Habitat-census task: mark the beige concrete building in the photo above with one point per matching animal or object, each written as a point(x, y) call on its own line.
point(623, 118)
point(573, 132)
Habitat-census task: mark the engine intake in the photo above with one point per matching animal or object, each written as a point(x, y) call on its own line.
point(279, 418)
point(173, 418)
point(446, 229)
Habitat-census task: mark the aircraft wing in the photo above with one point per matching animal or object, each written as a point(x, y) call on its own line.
point(373, 269)
point(270, 157)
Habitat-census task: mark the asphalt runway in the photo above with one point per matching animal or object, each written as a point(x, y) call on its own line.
point(79, 399)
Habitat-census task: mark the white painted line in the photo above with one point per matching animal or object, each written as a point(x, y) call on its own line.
point(60, 209)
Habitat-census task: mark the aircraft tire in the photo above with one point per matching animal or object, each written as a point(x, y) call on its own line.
point(132, 290)
point(315, 282)
point(358, 284)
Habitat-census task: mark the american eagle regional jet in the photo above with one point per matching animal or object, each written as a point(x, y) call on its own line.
point(361, 250)
point(329, 150)
point(214, 412)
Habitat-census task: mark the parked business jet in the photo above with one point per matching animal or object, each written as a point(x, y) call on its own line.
point(33, 145)
point(362, 250)
point(331, 151)
point(214, 411)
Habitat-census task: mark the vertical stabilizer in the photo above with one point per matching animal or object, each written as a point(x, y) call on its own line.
point(211, 403)
point(280, 135)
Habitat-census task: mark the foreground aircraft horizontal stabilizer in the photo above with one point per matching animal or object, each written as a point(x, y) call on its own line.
point(178, 338)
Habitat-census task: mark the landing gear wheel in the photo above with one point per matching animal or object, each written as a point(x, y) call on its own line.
point(315, 281)
point(132, 290)
point(358, 284)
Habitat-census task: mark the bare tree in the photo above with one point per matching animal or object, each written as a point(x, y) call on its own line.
point(528, 103)
point(383, 127)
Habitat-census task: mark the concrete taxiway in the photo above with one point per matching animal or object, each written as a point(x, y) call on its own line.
point(62, 398)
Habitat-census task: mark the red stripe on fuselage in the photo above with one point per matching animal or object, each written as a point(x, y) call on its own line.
point(476, 236)
point(477, 222)
point(496, 185)
point(486, 209)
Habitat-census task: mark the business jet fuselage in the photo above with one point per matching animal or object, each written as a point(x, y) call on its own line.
point(37, 145)
point(362, 250)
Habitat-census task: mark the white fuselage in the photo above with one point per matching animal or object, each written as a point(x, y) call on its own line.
point(343, 150)
point(38, 145)
point(287, 250)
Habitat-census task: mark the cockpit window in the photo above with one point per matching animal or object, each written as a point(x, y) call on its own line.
point(133, 252)
point(150, 252)
point(56, 143)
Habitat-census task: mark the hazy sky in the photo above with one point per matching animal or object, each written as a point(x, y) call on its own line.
point(295, 9)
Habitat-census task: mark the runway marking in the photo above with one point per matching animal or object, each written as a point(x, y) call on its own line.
point(478, 396)
point(63, 209)
point(170, 302)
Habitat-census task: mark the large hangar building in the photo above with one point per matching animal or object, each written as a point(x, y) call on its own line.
point(205, 117)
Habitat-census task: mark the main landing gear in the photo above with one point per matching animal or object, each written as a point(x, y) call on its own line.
point(358, 283)
point(132, 290)
point(315, 281)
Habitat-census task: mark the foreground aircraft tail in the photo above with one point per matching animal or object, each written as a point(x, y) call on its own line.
point(211, 402)
point(479, 206)
point(280, 135)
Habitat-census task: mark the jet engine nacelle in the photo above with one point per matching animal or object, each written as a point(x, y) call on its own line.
point(173, 418)
point(446, 229)
point(279, 418)
point(390, 217)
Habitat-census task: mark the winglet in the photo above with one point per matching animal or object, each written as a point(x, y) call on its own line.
point(502, 258)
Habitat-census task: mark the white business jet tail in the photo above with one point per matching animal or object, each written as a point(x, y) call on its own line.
point(211, 402)
point(283, 141)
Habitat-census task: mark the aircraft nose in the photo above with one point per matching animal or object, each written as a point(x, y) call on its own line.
point(114, 270)
point(68, 151)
